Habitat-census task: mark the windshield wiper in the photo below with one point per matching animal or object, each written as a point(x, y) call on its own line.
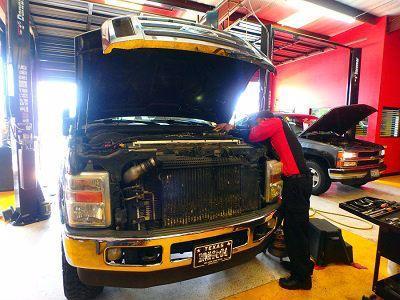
point(122, 121)
point(186, 121)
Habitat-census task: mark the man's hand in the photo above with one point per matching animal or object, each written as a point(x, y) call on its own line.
point(224, 127)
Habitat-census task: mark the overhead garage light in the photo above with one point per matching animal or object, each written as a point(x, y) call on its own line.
point(299, 19)
point(310, 12)
point(125, 4)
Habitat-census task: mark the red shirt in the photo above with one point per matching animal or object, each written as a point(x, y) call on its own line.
point(273, 129)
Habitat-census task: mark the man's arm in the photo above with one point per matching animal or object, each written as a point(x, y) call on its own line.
point(237, 131)
point(241, 132)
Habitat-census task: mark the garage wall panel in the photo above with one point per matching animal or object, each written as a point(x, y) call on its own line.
point(321, 81)
point(315, 82)
point(371, 39)
point(390, 95)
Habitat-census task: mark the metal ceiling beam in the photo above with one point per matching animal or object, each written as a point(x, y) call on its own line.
point(360, 15)
point(238, 15)
point(203, 8)
point(61, 27)
point(285, 56)
point(393, 23)
point(145, 8)
point(89, 16)
point(49, 19)
point(225, 9)
point(187, 4)
point(53, 39)
point(302, 43)
point(69, 8)
point(308, 37)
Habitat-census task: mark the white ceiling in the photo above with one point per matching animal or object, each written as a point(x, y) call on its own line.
point(275, 10)
point(376, 7)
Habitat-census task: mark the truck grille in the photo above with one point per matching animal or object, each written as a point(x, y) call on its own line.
point(368, 154)
point(207, 189)
point(372, 162)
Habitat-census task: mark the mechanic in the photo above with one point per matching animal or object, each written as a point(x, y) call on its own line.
point(265, 127)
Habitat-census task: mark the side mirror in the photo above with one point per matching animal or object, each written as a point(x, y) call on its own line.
point(66, 122)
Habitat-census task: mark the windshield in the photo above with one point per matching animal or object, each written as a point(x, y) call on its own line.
point(161, 83)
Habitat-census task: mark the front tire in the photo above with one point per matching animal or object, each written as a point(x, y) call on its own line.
point(320, 177)
point(74, 289)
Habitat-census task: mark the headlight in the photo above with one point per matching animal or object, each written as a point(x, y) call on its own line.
point(382, 152)
point(346, 155)
point(87, 200)
point(274, 183)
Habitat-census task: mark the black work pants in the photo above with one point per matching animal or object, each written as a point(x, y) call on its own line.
point(295, 205)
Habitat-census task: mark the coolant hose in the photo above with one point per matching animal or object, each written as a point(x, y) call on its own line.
point(133, 173)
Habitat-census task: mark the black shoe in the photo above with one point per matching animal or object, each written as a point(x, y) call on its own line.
point(292, 283)
point(287, 265)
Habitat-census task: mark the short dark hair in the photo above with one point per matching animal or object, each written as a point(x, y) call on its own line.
point(264, 114)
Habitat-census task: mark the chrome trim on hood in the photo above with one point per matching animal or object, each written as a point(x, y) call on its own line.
point(158, 32)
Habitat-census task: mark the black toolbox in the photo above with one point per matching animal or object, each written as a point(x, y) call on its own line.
point(386, 214)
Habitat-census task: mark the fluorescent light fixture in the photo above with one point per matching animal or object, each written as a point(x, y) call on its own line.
point(299, 19)
point(310, 12)
point(137, 5)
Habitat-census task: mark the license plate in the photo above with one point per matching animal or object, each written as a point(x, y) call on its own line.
point(375, 173)
point(211, 254)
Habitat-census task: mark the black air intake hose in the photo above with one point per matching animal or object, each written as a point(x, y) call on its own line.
point(133, 173)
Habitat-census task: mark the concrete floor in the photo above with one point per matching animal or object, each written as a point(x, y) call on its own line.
point(31, 268)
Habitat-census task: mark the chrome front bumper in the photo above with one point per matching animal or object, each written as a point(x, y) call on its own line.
point(88, 251)
point(355, 173)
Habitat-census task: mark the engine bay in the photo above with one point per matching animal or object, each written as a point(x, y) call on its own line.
point(177, 179)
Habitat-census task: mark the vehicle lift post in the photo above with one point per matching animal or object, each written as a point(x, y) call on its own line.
point(353, 83)
point(267, 46)
point(22, 115)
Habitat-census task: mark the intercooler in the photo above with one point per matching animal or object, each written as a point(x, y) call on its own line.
point(196, 190)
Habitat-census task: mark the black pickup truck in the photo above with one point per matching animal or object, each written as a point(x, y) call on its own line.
point(332, 153)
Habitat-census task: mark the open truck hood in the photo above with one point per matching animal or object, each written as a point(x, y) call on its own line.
point(138, 66)
point(340, 119)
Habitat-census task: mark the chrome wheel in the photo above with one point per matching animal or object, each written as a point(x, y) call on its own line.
point(315, 177)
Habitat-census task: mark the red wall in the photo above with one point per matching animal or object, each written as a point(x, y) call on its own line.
point(390, 95)
point(321, 81)
point(315, 82)
point(324, 77)
point(371, 39)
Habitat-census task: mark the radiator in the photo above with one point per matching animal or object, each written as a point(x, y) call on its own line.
point(196, 190)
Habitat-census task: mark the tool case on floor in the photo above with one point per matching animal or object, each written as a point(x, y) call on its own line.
point(327, 244)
